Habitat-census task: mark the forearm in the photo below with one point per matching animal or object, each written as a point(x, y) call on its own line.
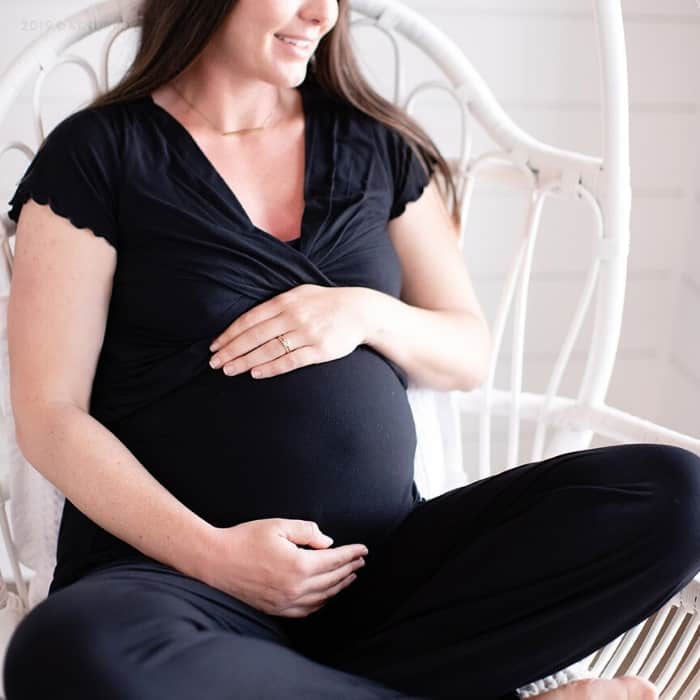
point(104, 480)
point(439, 349)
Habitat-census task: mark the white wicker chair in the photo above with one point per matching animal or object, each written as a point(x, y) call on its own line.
point(654, 649)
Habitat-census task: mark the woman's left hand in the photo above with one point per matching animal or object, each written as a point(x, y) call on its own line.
point(319, 323)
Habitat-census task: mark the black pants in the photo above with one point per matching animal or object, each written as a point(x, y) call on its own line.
point(480, 591)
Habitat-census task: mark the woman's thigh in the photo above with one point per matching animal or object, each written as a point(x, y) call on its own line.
point(144, 631)
point(510, 578)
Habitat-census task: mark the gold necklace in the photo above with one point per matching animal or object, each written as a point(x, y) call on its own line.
point(236, 131)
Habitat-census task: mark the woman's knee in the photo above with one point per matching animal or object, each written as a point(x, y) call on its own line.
point(19, 669)
point(675, 481)
point(42, 646)
point(653, 490)
point(669, 472)
point(67, 641)
point(675, 476)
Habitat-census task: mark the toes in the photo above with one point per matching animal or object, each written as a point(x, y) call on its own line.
point(640, 688)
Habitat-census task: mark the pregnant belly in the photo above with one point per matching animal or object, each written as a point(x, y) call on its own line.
point(332, 442)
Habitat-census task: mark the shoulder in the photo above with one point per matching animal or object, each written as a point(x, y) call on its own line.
point(388, 142)
point(392, 151)
point(93, 131)
point(365, 143)
point(77, 169)
point(363, 133)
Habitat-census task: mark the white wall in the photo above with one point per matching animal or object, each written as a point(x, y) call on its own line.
point(540, 58)
point(680, 398)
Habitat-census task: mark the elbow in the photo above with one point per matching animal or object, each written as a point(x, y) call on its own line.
point(22, 437)
point(32, 424)
point(22, 422)
point(26, 433)
point(477, 369)
point(25, 411)
point(472, 380)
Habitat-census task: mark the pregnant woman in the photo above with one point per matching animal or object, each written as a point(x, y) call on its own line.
point(227, 268)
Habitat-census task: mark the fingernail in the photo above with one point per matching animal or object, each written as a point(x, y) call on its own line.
point(215, 362)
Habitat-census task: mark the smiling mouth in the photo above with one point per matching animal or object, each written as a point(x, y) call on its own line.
point(302, 46)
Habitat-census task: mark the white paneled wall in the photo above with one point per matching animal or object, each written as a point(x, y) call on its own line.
point(680, 399)
point(540, 58)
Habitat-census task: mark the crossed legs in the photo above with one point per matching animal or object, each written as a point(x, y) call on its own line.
point(478, 592)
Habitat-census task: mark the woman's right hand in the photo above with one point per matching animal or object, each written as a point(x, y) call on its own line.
point(260, 563)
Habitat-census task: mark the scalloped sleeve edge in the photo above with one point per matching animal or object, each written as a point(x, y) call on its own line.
point(41, 197)
point(416, 190)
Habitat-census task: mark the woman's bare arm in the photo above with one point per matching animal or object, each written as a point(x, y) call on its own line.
point(59, 298)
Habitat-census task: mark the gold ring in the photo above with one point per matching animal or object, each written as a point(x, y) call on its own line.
point(285, 343)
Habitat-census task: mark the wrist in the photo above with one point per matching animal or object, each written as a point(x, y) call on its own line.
point(374, 310)
point(202, 551)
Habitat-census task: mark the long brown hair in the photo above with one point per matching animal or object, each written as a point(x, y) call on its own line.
point(174, 33)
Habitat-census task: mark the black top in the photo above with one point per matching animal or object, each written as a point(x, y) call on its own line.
point(333, 442)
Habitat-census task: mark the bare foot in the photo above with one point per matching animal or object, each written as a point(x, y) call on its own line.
point(624, 688)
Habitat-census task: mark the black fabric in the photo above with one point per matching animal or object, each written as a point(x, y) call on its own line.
point(333, 442)
point(480, 591)
point(77, 170)
point(408, 173)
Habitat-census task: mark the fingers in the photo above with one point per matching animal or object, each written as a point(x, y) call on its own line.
point(314, 601)
point(338, 587)
point(321, 561)
point(299, 612)
point(323, 583)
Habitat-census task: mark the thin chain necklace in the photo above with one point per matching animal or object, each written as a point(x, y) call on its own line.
point(236, 131)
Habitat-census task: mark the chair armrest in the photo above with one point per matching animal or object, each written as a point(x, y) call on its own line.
point(569, 413)
point(625, 427)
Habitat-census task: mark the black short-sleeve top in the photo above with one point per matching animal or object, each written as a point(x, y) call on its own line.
point(189, 261)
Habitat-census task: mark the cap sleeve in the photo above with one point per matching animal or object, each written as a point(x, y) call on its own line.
point(75, 171)
point(408, 173)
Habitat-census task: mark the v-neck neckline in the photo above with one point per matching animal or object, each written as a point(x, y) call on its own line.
point(181, 130)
